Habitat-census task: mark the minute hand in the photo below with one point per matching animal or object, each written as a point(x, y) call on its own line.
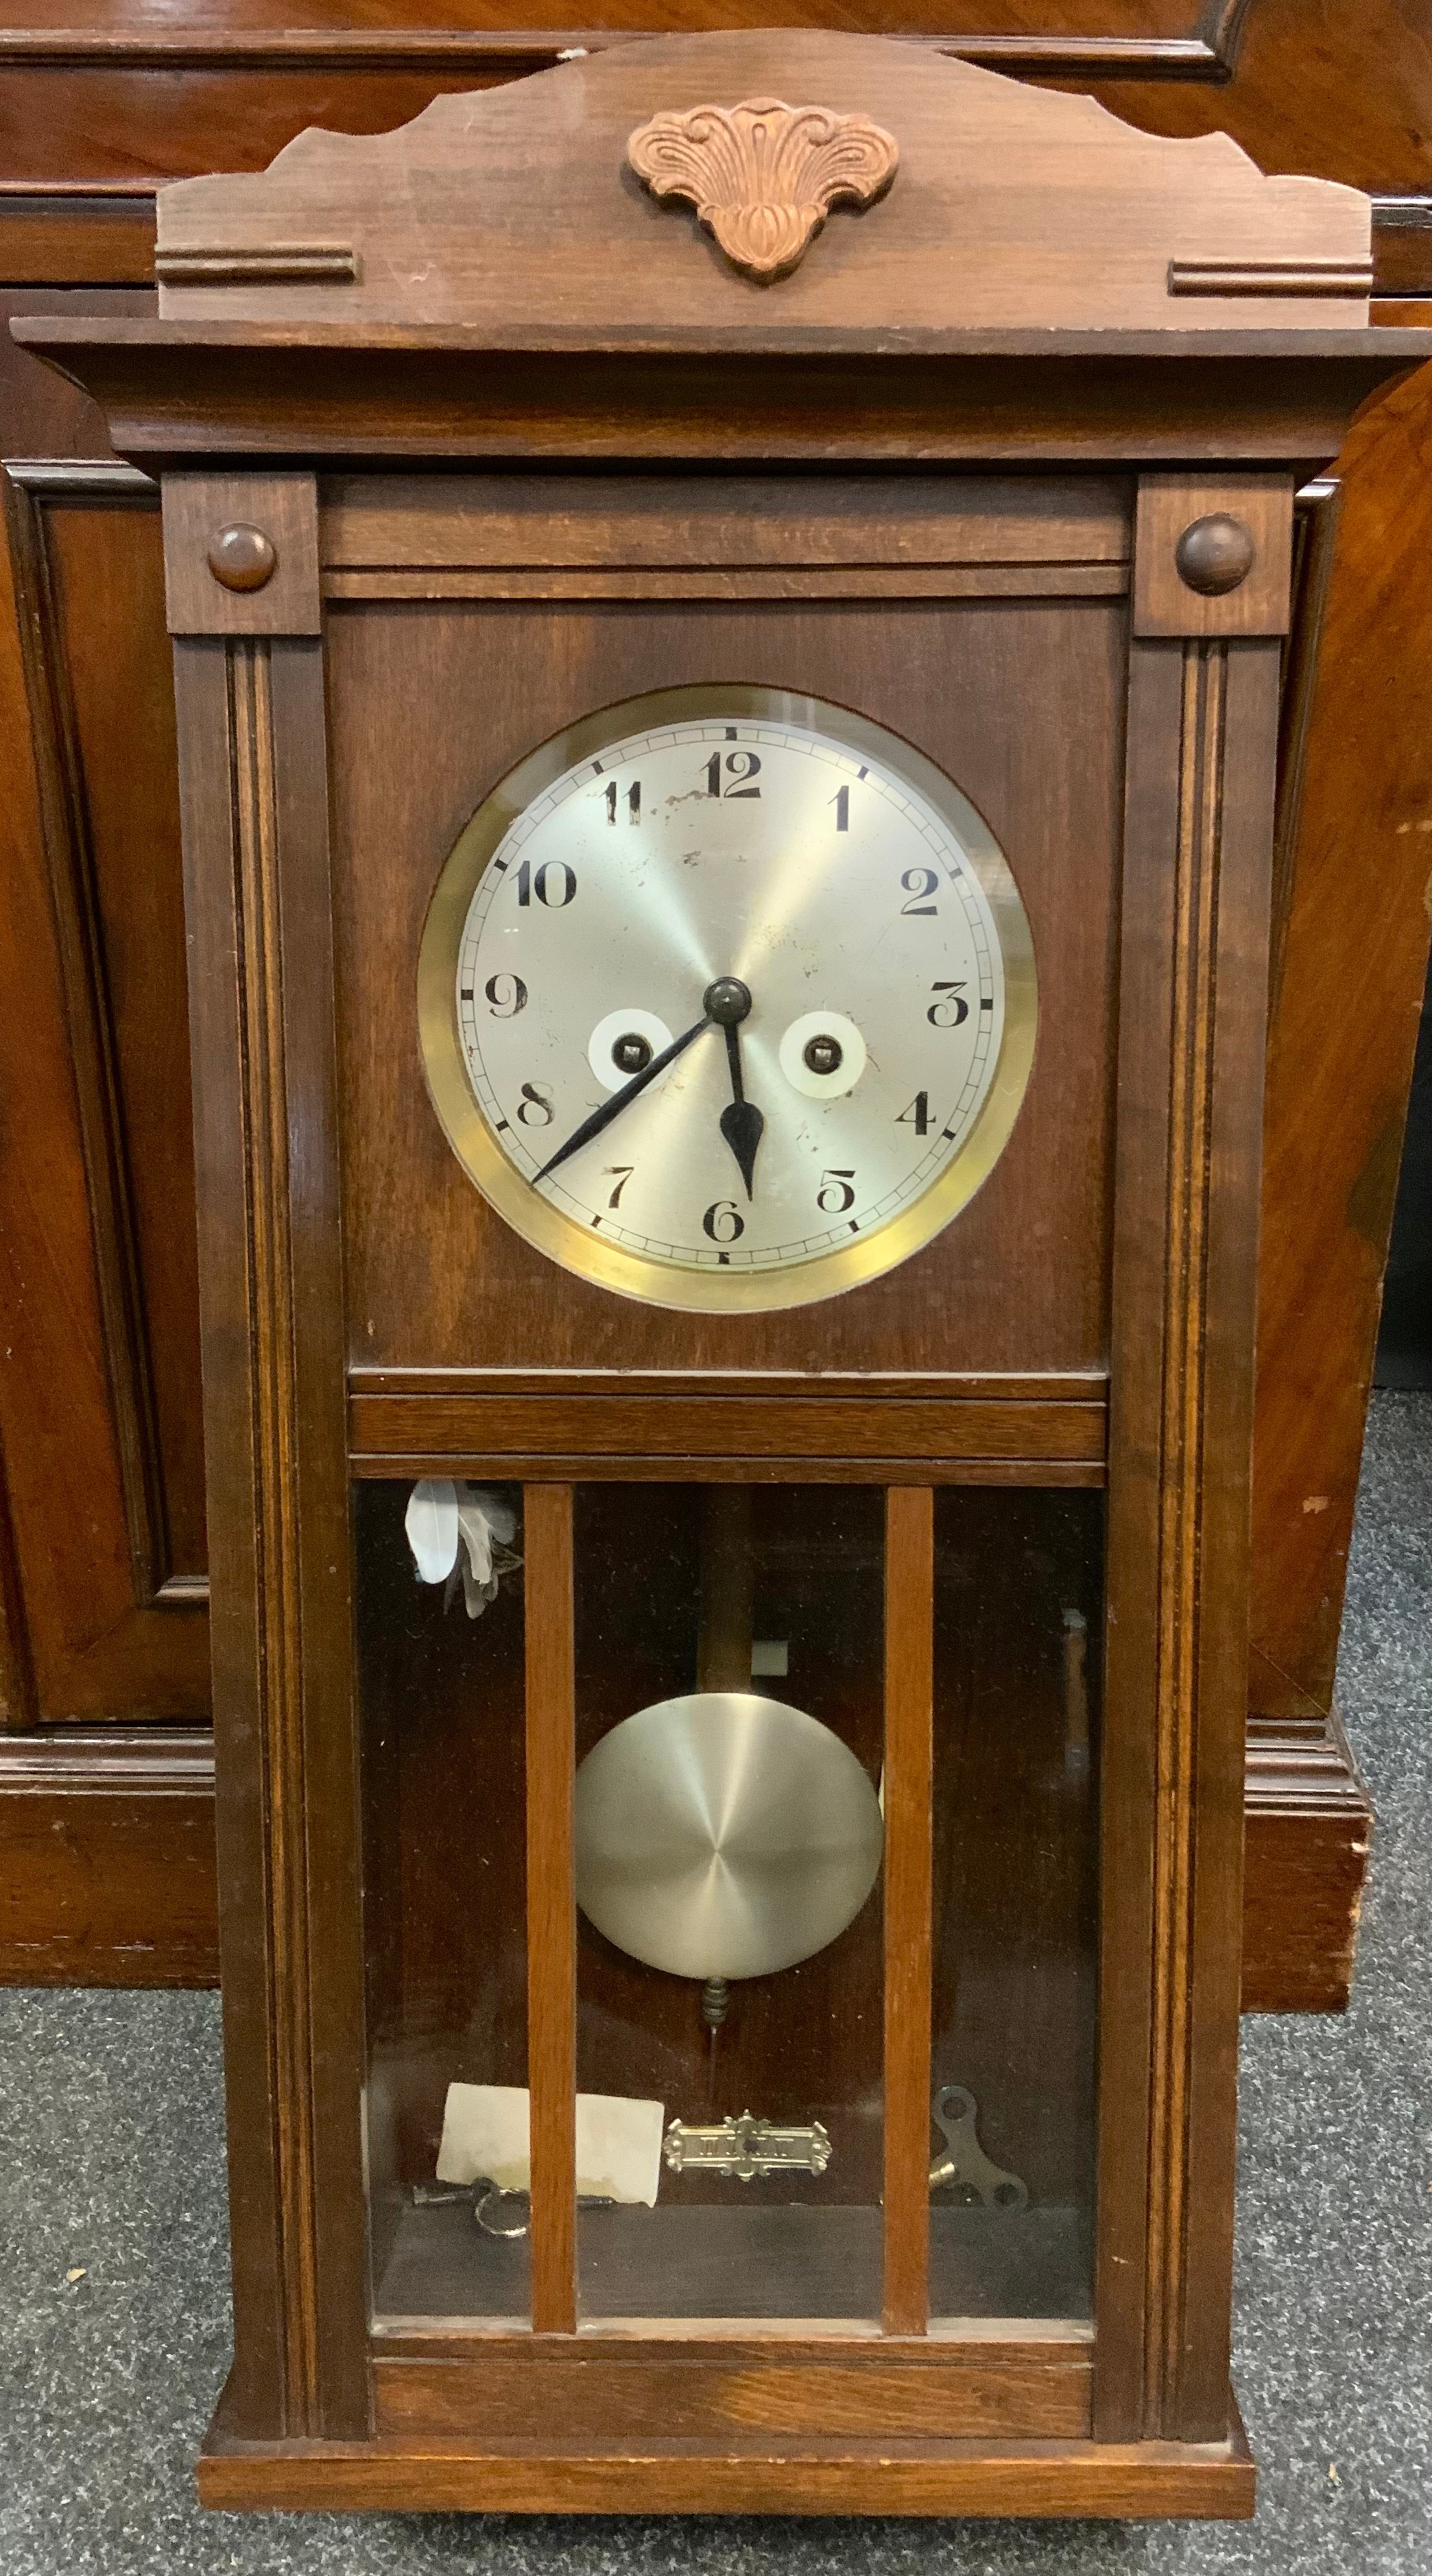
point(610, 1109)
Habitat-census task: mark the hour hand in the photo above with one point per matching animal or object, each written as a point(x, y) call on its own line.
point(742, 1124)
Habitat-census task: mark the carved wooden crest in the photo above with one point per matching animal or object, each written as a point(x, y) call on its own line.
point(764, 176)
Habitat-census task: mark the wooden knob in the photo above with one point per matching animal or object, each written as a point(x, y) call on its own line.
point(1215, 554)
point(242, 558)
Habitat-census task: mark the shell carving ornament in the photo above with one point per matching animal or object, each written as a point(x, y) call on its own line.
point(764, 176)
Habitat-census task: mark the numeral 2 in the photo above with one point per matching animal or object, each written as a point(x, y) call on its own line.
point(919, 884)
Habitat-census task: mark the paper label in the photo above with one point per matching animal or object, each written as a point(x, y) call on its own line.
point(486, 2131)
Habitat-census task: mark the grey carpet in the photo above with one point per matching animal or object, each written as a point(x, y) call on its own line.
point(114, 2288)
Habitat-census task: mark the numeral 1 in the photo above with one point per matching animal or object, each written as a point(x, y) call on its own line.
point(841, 801)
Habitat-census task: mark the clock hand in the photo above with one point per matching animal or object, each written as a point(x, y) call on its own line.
point(610, 1109)
point(741, 1123)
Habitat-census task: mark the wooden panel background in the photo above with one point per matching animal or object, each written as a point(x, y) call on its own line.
point(89, 122)
point(947, 678)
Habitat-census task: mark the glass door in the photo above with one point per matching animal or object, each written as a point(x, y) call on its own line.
point(731, 1858)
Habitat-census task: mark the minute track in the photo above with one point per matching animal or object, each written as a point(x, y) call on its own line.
point(796, 893)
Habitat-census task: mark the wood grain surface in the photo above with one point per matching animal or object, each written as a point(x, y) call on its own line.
point(433, 1273)
point(909, 1781)
point(1064, 214)
point(551, 1904)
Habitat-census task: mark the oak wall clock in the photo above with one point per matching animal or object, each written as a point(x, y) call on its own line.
point(728, 603)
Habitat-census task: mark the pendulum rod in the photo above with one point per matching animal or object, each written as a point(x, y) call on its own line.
point(723, 1655)
point(723, 1642)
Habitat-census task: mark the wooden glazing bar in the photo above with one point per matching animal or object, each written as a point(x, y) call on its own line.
point(867, 581)
point(909, 1693)
point(551, 1905)
point(684, 1427)
point(563, 1467)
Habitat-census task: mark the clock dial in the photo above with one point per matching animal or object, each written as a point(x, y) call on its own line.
point(727, 999)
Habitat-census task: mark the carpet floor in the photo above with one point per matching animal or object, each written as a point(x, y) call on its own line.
point(114, 2323)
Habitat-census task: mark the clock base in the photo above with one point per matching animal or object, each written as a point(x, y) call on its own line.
point(1204, 2481)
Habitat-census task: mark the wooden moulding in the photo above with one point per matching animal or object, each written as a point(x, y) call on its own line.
point(107, 1861)
point(1037, 2385)
point(1204, 47)
point(1198, 838)
point(551, 1904)
point(63, 235)
point(449, 229)
point(1308, 1829)
point(882, 538)
point(909, 1781)
point(107, 1873)
point(256, 853)
point(768, 520)
point(879, 2474)
point(682, 1434)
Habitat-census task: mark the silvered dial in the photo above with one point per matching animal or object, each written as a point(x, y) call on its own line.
point(740, 992)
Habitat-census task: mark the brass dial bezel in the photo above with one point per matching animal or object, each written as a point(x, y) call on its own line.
point(642, 1275)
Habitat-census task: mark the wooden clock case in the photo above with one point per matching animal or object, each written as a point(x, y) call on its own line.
point(461, 435)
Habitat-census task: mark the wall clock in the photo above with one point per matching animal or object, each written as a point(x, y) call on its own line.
point(727, 998)
point(701, 794)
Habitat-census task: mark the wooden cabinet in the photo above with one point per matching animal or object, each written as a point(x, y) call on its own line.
point(102, 1568)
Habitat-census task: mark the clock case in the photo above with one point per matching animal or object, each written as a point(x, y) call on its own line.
point(518, 442)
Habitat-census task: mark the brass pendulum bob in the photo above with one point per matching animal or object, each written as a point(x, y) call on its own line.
point(723, 1834)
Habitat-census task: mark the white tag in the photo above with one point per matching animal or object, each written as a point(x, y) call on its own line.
point(486, 2132)
point(432, 1526)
